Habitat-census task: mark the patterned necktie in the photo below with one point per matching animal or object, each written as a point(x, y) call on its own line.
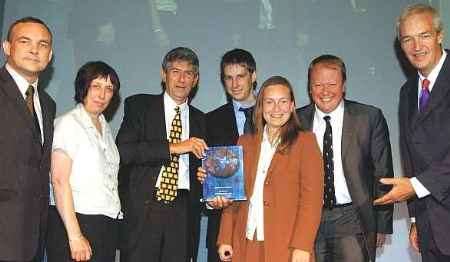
point(248, 126)
point(424, 95)
point(167, 191)
point(29, 100)
point(329, 198)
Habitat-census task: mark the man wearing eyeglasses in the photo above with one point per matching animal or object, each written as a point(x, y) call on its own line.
point(424, 114)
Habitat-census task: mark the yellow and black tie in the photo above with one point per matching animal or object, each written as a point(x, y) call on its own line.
point(167, 191)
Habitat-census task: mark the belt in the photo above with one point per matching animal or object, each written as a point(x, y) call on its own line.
point(342, 205)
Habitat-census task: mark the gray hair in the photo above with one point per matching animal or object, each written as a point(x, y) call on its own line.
point(420, 9)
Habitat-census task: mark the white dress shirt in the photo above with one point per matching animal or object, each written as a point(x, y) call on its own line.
point(23, 84)
point(169, 114)
point(95, 163)
point(337, 119)
point(419, 188)
point(255, 218)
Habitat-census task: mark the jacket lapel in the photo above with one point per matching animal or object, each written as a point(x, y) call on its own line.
point(253, 156)
point(348, 129)
point(231, 118)
point(12, 91)
point(439, 92)
point(46, 121)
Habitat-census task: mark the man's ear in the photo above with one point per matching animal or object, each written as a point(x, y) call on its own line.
point(6, 47)
point(163, 75)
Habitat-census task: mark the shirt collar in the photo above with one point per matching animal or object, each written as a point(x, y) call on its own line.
point(170, 103)
point(86, 118)
point(435, 72)
point(265, 138)
point(237, 105)
point(339, 110)
point(21, 82)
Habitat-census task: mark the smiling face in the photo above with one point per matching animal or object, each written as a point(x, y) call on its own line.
point(327, 87)
point(421, 42)
point(179, 78)
point(238, 82)
point(99, 94)
point(277, 106)
point(29, 49)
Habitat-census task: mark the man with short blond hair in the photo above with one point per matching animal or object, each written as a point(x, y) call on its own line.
point(354, 139)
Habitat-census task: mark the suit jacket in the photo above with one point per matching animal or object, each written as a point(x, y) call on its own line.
point(366, 157)
point(144, 149)
point(24, 171)
point(221, 130)
point(293, 197)
point(425, 151)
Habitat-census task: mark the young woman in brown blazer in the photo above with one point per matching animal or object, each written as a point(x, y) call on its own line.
point(283, 182)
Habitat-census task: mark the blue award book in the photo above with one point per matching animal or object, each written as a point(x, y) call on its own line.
point(225, 173)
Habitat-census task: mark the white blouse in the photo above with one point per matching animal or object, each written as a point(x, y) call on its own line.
point(255, 218)
point(95, 163)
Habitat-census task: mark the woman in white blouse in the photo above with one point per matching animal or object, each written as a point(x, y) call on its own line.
point(85, 164)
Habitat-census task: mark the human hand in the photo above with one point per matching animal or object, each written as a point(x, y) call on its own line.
point(381, 239)
point(299, 255)
point(219, 202)
point(413, 238)
point(201, 175)
point(402, 190)
point(80, 249)
point(194, 145)
point(225, 252)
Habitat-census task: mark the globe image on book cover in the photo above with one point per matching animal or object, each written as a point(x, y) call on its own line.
point(225, 173)
point(223, 162)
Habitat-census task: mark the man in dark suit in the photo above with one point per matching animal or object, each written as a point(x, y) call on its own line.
point(160, 143)
point(354, 139)
point(424, 111)
point(226, 123)
point(26, 114)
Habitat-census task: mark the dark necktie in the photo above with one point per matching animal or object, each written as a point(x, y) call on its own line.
point(248, 124)
point(168, 186)
point(329, 199)
point(29, 100)
point(424, 95)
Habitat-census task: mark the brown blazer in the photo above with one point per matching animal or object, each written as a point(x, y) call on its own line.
point(293, 194)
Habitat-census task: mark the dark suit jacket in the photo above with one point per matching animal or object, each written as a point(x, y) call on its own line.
point(366, 157)
point(24, 171)
point(425, 151)
point(143, 148)
point(221, 130)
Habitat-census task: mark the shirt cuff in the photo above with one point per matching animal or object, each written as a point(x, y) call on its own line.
point(420, 190)
point(208, 206)
point(413, 219)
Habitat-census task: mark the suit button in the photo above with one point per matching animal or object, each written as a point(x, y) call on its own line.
point(266, 204)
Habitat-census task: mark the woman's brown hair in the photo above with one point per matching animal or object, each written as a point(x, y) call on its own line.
point(289, 131)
